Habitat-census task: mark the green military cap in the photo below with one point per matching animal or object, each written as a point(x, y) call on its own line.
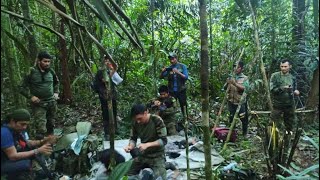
point(20, 115)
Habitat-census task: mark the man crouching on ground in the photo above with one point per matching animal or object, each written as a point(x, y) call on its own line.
point(153, 135)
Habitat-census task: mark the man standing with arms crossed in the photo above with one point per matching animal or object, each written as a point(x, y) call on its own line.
point(41, 87)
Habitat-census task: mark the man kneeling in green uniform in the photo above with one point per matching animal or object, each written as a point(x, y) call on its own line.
point(165, 107)
point(152, 132)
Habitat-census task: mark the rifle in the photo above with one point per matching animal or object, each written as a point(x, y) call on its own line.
point(39, 158)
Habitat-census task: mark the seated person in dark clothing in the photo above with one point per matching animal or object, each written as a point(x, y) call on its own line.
point(16, 150)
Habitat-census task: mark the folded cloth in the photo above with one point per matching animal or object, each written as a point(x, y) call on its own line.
point(77, 144)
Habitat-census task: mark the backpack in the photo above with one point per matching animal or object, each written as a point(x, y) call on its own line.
point(222, 133)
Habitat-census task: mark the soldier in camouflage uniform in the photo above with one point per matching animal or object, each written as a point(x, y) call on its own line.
point(153, 135)
point(283, 87)
point(165, 107)
point(236, 89)
point(41, 87)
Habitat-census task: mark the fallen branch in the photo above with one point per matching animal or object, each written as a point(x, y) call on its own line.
point(268, 112)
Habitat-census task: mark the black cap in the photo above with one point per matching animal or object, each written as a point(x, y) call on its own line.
point(172, 54)
point(44, 55)
point(240, 64)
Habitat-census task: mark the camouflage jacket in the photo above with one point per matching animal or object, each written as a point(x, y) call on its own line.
point(166, 109)
point(153, 130)
point(280, 96)
point(40, 84)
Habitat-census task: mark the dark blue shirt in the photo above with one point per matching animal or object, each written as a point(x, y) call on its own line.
point(182, 68)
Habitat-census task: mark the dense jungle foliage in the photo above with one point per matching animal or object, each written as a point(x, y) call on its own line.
point(138, 35)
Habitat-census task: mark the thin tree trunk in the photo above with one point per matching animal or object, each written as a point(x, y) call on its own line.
point(66, 93)
point(32, 44)
point(205, 87)
point(260, 55)
point(155, 73)
point(242, 100)
point(111, 119)
point(211, 40)
point(316, 18)
point(313, 97)
point(299, 47)
point(274, 62)
point(186, 127)
point(13, 63)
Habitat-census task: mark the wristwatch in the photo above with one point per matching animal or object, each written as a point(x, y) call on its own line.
point(36, 151)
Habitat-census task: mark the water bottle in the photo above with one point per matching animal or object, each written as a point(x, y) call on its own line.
point(229, 166)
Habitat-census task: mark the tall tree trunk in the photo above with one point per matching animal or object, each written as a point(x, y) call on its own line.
point(155, 73)
point(259, 55)
point(274, 62)
point(313, 97)
point(211, 40)
point(316, 18)
point(12, 65)
point(298, 37)
point(32, 44)
point(205, 87)
point(66, 93)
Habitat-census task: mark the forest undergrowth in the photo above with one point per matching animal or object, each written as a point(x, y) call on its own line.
point(247, 152)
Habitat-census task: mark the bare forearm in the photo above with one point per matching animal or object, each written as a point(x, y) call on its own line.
point(239, 86)
point(181, 74)
point(22, 155)
point(13, 155)
point(35, 143)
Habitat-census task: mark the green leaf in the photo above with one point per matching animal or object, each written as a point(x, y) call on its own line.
point(297, 177)
point(287, 170)
point(311, 141)
point(94, 68)
point(79, 77)
point(280, 177)
point(103, 14)
point(65, 141)
point(309, 169)
point(83, 128)
point(294, 166)
point(120, 170)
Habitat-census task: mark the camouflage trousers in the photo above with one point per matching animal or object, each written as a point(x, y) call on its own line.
point(156, 164)
point(171, 128)
point(285, 113)
point(42, 122)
